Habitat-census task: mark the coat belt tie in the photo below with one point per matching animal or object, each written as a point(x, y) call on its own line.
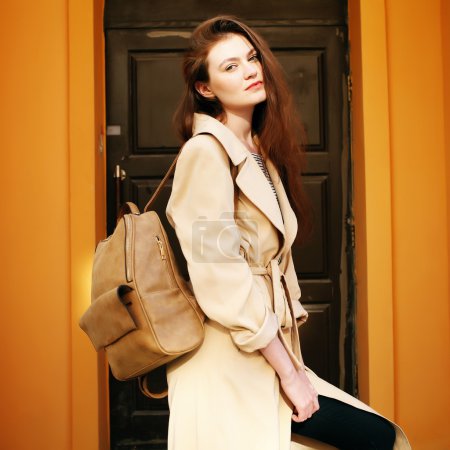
point(283, 308)
point(280, 302)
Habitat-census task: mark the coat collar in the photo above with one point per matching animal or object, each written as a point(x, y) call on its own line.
point(250, 179)
point(233, 146)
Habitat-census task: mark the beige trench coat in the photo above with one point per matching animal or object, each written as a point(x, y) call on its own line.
point(225, 396)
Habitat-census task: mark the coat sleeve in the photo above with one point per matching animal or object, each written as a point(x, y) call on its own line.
point(201, 210)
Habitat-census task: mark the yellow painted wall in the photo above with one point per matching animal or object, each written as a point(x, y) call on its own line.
point(420, 222)
point(445, 21)
point(402, 197)
point(35, 227)
point(373, 208)
point(51, 114)
point(87, 212)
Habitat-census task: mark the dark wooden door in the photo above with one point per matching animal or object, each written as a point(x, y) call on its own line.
point(144, 46)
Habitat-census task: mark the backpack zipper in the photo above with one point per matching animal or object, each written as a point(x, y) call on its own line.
point(161, 247)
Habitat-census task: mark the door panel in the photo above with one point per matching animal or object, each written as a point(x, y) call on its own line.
point(158, 83)
point(144, 84)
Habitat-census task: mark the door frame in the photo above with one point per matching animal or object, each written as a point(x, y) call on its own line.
point(372, 209)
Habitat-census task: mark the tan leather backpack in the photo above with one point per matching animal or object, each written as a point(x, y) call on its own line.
point(143, 313)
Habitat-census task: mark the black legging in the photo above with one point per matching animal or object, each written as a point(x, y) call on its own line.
point(347, 427)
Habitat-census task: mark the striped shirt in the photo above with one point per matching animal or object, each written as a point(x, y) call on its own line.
point(262, 165)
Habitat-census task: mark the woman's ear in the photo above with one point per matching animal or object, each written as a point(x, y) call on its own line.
point(204, 90)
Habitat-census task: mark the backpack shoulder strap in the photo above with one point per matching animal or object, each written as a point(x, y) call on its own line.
point(163, 182)
point(233, 169)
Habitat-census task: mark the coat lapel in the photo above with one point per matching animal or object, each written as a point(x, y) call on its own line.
point(253, 183)
point(250, 179)
point(290, 219)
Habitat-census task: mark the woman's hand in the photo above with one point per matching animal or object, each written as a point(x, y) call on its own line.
point(294, 383)
point(301, 393)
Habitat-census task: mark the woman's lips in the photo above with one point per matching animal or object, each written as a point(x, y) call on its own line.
point(256, 84)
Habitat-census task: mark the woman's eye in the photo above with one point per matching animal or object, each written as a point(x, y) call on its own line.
point(254, 57)
point(230, 67)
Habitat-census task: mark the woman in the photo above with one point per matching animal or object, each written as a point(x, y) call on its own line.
point(245, 386)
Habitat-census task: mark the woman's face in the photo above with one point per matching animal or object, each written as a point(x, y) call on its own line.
point(235, 74)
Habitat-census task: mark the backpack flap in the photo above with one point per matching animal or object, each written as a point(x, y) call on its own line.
point(108, 318)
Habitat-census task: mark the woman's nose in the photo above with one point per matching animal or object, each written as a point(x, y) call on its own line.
point(250, 71)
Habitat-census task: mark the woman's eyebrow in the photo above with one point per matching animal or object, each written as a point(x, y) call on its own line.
point(235, 58)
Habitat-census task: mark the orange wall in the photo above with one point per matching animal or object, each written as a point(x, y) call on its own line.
point(100, 205)
point(420, 222)
point(400, 183)
point(35, 320)
point(372, 177)
point(49, 131)
point(87, 215)
point(445, 20)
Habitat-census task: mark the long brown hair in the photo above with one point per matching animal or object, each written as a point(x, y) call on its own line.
point(275, 121)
